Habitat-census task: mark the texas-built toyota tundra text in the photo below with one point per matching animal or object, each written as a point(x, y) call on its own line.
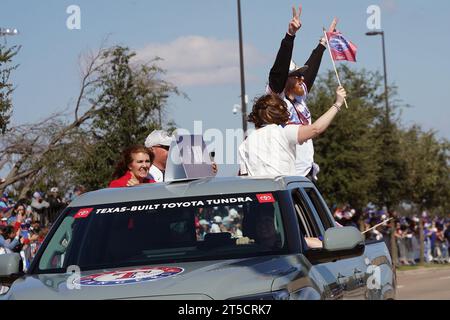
point(210, 238)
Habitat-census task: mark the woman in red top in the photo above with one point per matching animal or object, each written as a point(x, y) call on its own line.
point(133, 167)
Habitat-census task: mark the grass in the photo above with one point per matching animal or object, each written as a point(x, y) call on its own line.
point(425, 266)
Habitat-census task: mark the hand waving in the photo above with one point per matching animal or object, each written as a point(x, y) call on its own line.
point(133, 182)
point(295, 23)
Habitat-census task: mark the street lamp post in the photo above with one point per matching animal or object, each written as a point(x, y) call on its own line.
point(161, 99)
point(386, 95)
point(241, 59)
point(8, 31)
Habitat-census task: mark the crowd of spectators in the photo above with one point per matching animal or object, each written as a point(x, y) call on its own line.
point(436, 233)
point(25, 223)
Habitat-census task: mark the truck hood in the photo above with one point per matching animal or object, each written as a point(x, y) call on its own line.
point(203, 280)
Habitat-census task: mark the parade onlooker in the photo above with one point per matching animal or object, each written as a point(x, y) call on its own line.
point(447, 236)
point(133, 167)
point(40, 207)
point(17, 212)
point(440, 245)
point(56, 204)
point(9, 239)
point(4, 205)
point(79, 190)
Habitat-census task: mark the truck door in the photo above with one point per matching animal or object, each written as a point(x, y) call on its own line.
point(315, 219)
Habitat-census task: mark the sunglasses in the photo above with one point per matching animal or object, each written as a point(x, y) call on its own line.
point(162, 147)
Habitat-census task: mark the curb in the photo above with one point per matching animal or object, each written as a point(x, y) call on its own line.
point(423, 269)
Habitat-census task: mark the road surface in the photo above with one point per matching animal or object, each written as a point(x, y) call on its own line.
point(424, 284)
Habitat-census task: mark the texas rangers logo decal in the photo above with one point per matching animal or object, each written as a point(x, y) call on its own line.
point(129, 276)
point(83, 213)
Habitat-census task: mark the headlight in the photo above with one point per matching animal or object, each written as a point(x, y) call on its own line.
point(306, 293)
point(3, 289)
point(276, 295)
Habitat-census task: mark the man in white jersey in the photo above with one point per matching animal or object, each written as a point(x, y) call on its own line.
point(293, 83)
point(159, 143)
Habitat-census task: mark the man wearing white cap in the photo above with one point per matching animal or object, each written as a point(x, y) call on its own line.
point(159, 143)
point(293, 83)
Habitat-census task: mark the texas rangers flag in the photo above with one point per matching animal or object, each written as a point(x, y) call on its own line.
point(341, 48)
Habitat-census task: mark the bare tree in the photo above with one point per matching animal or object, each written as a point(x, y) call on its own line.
point(25, 147)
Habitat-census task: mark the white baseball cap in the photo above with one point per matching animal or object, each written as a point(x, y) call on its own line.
point(158, 137)
point(296, 71)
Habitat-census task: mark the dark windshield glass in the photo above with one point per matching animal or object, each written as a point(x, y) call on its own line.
point(166, 231)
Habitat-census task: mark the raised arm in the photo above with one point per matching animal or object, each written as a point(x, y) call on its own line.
point(279, 73)
point(11, 245)
point(309, 132)
point(315, 59)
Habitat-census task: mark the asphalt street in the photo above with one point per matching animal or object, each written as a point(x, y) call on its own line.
point(424, 284)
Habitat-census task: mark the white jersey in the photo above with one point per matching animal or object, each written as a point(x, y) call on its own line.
point(269, 151)
point(156, 174)
point(299, 114)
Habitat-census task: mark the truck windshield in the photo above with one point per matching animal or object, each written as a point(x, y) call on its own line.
point(165, 231)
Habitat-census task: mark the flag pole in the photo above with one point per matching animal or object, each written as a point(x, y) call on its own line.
point(334, 64)
point(378, 225)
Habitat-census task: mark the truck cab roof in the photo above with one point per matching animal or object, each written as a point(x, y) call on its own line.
point(186, 188)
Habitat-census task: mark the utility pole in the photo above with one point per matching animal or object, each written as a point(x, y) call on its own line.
point(241, 59)
point(386, 94)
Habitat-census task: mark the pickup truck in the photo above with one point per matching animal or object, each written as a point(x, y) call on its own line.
point(234, 238)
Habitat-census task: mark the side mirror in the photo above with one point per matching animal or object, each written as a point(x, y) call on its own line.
point(340, 239)
point(338, 244)
point(9, 264)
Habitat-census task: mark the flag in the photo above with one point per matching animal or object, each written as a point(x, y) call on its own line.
point(341, 48)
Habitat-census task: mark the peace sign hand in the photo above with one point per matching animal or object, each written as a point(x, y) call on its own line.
point(333, 25)
point(295, 23)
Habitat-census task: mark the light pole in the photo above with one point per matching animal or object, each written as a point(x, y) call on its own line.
point(8, 31)
point(241, 59)
point(161, 99)
point(386, 96)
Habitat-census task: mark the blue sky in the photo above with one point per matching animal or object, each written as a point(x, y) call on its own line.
point(198, 40)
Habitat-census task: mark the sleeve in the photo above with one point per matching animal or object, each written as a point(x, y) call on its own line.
point(17, 226)
point(279, 73)
point(10, 245)
point(242, 167)
point(291, 132)
point(313, 64)
point(115, 184)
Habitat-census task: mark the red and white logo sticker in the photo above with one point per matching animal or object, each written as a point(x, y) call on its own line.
point(129, 276)
point(83, 213)
point(265, 198)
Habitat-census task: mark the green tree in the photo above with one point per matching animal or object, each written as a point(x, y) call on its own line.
point(120, 101)
point(392, 172)
point(427, 184)
point(6, 87)
point(130, 99)
point(348, 152)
